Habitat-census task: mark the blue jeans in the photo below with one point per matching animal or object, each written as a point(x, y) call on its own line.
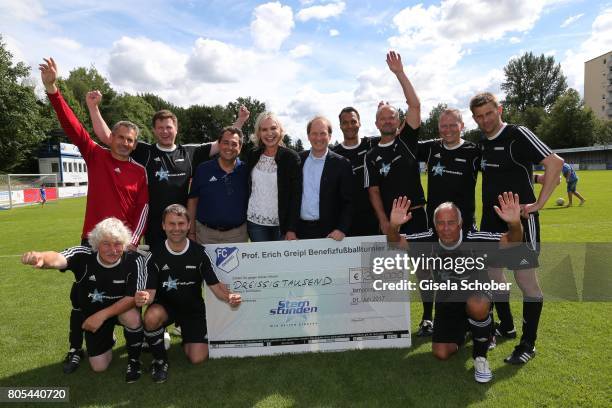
point(260, 233)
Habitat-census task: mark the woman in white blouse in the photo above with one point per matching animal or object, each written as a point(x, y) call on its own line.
point(275, 183)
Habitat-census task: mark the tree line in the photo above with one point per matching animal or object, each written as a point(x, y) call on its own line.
point(537, 96)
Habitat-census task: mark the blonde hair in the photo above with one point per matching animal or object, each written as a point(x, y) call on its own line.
point(109, 228)
point(260, 118)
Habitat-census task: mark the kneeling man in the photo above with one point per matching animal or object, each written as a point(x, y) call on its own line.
point(107, 278)
point(178, 269)
point(463, 298)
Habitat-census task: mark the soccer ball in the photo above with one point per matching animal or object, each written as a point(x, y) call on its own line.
point(560, 201)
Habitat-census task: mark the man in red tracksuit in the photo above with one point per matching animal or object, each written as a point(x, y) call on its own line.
point(117, 187)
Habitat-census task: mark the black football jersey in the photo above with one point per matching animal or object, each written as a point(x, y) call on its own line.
point(179, 277)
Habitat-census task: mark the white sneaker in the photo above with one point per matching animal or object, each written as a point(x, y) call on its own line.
point(482, 372)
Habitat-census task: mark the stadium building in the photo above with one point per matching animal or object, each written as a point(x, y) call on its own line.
point(64, 160)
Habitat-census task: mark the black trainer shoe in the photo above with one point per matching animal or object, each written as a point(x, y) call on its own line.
point(72, 361)
point(508, 334)
point(159, 371)
point(133, 372)
point(425, 328)
point(521, 354)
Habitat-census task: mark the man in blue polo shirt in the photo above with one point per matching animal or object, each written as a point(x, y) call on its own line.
point(219, 194)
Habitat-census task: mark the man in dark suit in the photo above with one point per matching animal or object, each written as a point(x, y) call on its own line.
point(326, 193)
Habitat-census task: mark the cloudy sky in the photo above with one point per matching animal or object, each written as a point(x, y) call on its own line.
point(306, 57)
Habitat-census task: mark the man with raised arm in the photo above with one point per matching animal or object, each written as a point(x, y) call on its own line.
point(392, 170)
point(178, 269)
point(107, 279)
point(465, 304)
point(116, 186)
point(509, 153)
point(170, 166)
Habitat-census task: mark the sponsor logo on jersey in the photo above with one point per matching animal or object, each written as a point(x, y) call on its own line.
point(213, 178)
point(98, 297)
point(171, 284)
point(227, 258)
point(165, 267)
point(378, 158)
point(92, 278)
point(190, 267)
point(437, 155)
point(437, 170)
point(384, 169)
point(157, 159)
point(498, 148)
point(117, 170)
point(524, 262)
point(162, 174)
point(119, 281)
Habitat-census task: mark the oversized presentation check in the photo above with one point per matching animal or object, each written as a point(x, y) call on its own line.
point(299, 296)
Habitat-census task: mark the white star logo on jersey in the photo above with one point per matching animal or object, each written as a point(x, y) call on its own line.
point(170, 283)
point(437, 155)
point(117, 170)
point(213, 178)
point(162, 174)
point(384, 170)
point(96, 296)
point(438, 169)
point(483, 164)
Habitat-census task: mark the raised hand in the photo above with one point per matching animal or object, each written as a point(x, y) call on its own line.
point(399, 212)
point(93, 99)
point(509, 208)
point(48, 74)
point(33, 258)
point(243, 113)
point(394, 62)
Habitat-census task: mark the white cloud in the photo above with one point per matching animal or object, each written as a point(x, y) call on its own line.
point(22, 10)
point(141, 64)
point(321, 12)
point(301, 50)
point(599, 42)
point(65, 43)
point(215, 61)
point(333, 32)
point(271, 25)
point(570, 20)
point(514, 40)
point(464, 21)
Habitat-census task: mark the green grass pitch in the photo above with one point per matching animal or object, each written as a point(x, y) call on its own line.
point(572, 366)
